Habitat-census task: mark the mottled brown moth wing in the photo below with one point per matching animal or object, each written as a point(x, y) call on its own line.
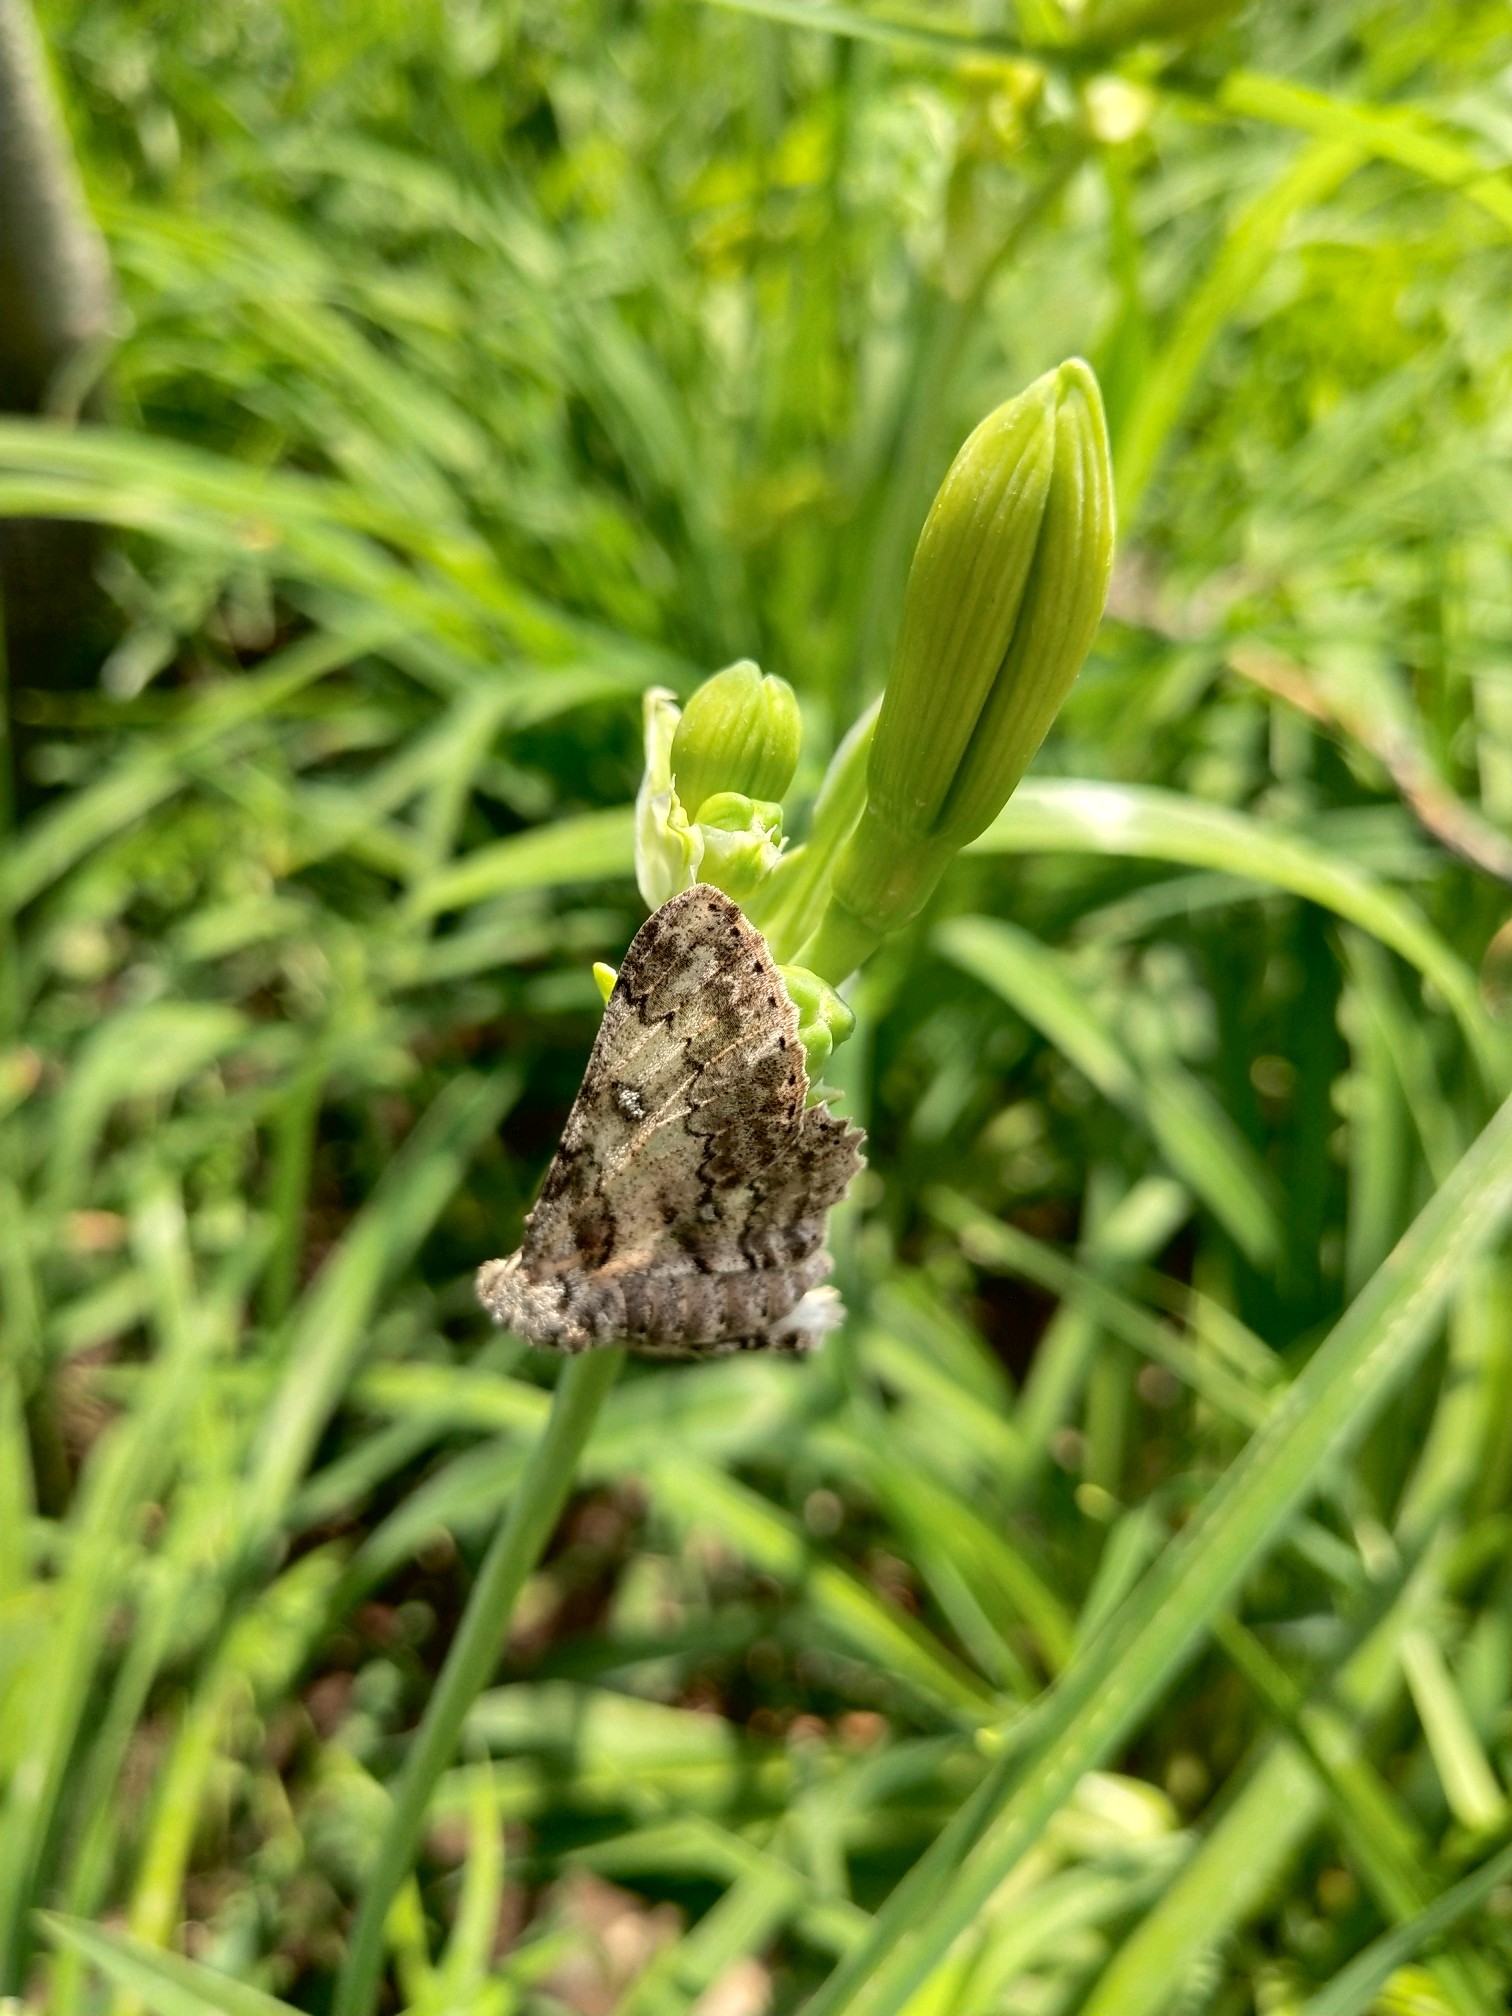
point(686, 1208)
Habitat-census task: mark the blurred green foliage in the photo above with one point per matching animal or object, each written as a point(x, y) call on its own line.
point(488, 362)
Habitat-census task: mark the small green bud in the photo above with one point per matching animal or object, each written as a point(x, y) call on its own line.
point(742, 842)
point(737, 725)
point(1003, 600)
point(740, 732)
point(823, 1018)
point(604, 977)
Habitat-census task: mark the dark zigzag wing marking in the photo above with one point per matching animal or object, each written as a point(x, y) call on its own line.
point(695, 1081)
point(687, 1204)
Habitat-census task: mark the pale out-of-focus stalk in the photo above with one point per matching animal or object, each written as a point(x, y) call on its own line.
point(516, 1547)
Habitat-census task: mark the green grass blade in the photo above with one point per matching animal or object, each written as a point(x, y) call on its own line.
point(329, 1326)
point(166, 1982)
point(1397, 133)
point(1474, 1796)
point(1227, 282)
point(698, 1495)
point(1352, 1992)
point(1137, 822)
point(593, 847)
point(1103, 1695)
point(1277, 1802)
point(147, 776)
point(533, 1512)
point(991, 1243)
point(918, 37)
point(130, 1463)
point(1196, 1138)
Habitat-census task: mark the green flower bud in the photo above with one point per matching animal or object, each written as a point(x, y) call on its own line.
point(1004, 598)
point(738, 725)
point(823, 1019)
point(740, 733)
point(1057, 618)
point(604, 977)
point(741, 842)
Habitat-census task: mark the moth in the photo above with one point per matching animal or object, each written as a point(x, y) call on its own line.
point(685, 1211)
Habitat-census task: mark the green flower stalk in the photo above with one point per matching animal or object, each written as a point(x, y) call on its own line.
point(1003, 600)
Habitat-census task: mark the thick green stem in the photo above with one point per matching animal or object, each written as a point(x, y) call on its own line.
point(881, 882)
point(533, 1512)
point(840, 946)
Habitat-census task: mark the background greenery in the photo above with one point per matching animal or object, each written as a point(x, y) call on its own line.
point(486, 361)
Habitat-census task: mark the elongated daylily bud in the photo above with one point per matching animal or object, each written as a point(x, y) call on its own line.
point(1004, 598)
point(739, 733)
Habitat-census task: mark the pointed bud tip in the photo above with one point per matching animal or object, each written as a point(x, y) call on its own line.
point(1076, 375)
point(1079, 396)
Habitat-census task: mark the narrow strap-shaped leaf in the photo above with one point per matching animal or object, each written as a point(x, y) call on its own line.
point(1196, 1138)
point(329, 1327)
point(1105, 1693)
point(169, 1984)
point(1139, 822)
point(1353, 1990)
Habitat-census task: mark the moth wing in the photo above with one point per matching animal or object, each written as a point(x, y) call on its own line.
point(685, 1209)
point(690, 1128)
